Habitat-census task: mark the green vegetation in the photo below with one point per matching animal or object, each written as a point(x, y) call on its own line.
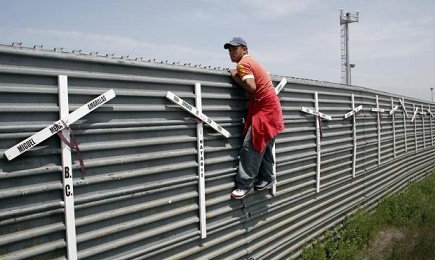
point(402, 227)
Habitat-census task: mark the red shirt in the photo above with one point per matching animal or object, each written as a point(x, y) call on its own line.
point(247, 67)
point(264, 108)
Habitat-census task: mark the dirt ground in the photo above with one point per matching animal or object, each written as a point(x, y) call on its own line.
point(383, 244)
point(401, 244)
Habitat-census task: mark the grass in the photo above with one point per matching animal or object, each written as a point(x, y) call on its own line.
point(402, 227)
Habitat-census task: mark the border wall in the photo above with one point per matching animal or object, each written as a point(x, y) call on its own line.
point(141, 196)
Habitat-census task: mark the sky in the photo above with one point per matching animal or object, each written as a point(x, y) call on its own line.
point(392, 45)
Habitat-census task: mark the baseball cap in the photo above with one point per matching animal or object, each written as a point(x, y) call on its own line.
point(236, 41)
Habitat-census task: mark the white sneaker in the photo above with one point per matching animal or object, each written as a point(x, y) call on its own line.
point(241, 194)
point(264, 185)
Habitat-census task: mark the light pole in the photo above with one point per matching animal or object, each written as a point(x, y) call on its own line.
point(350, 73)
point(431, 91)
point(345, 20)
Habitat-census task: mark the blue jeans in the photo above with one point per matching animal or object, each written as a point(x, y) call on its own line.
point(254, 164)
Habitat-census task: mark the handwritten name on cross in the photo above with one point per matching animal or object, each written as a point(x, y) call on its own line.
point(315, 113)
point(195, 112)
point(59, 125)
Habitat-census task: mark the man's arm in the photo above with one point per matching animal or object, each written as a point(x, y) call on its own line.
point(248, 84)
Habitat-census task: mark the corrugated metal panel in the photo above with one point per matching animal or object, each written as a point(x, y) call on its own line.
point(139, 198)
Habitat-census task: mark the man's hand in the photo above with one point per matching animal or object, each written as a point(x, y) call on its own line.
point(248, 84)
point(236, 76)
point(233, 73)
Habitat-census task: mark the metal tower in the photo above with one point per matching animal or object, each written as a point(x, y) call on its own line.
point(345, 20)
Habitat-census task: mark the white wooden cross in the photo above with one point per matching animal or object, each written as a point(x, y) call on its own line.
point(430, 121)
point(201, 164)
point(278, 89)
point(422, 113)
point(352, 114)
point(415, 114)
point(405, 115)
point(414, 121)
point(392, 113)
point(430, 113)
point(378, 111)
point(402, 103)
point(58, 126)
point(197, 112)
point(319, 135)
point(67, 178)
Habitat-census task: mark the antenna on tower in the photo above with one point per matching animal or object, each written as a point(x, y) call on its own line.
point(345, 20)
